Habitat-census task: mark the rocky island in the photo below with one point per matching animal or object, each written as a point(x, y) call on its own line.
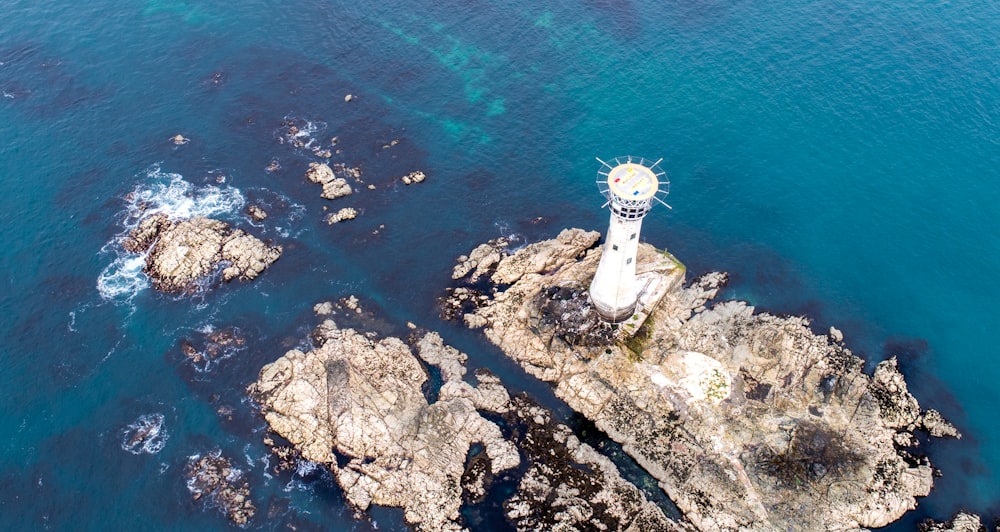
point(748, 420)
point(180, 252)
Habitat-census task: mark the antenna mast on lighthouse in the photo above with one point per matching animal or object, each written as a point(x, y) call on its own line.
point(630, 185)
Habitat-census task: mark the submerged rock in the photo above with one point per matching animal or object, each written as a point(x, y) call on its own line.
point(212, 477)
point(182, 252)
point(748, 420)
point(145, 435)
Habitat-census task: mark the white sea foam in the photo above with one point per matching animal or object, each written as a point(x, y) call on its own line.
point(305, 468)
point(168, 193)
point(516, 240)
point(159, 192)
point(123, 278)
point(145, 435)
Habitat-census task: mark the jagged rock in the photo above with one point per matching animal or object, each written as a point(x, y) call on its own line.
point(962, 522)
point(413, 177)
point(182, 252)
point(347, 213)
point(748, 420)
point(214, 478)
point(179, 139)
point(544, 257)
point(143, 236)
point(897, 407)
point(248, 255)
point(337, 188)
point(938, 426)
point(482, 259)
point(256, 213)
point(361, 400)
point(333, 187)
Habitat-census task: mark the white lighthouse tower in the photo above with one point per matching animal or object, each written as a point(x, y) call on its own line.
point(630, 184)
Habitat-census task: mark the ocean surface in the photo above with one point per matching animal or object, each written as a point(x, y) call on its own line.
point(840, 159)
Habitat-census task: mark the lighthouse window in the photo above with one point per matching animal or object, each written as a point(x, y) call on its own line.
point(614, 247)
point(628, 261)
point(632, 237)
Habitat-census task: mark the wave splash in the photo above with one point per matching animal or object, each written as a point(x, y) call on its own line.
point(145, 435)
point(165, 193)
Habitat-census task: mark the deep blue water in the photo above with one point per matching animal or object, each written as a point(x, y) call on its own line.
point(840, 159)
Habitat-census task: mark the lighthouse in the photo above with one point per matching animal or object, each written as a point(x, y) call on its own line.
point(630, 185)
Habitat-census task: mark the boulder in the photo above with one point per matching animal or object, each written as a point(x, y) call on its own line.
point(347, 213)
point(333, 187)
point(256, 213)
point(413, 177)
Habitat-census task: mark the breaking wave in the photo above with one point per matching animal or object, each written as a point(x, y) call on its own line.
point(145, 435)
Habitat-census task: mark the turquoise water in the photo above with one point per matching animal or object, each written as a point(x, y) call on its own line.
point(839, 159)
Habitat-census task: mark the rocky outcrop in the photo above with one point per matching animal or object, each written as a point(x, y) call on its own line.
point(748, 420)
point(481, 260)
point(356, 405)
point(333, 187)
point(413, 177)
point(182, 252)
point(962, 522)
point(256, 213)
point(213, 478)
point(347, 213)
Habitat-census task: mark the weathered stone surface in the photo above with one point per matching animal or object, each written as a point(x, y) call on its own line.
point(347, 213)
point(182, 252)
point(938, 426)
point(413, 177)
point(748, 420)
point(482, 259)
point(256, 213)
point(361, 399)
point(962, 522)
point(213, 477)
point(333, 187)
point(542, 257)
